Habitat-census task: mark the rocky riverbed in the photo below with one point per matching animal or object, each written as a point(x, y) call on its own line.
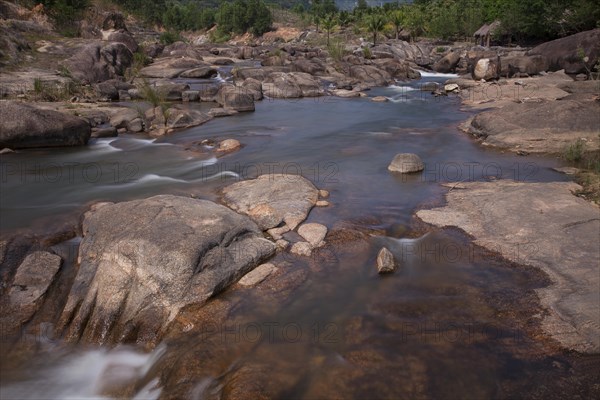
point(184, 269)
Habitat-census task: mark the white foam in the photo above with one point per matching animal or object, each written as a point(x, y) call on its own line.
point(219, 78)
point(88, 374)
point(218, 175)
point(104, 145)
point(403, 88)
point(399, 99)
point(148, 178)
point(429, 74)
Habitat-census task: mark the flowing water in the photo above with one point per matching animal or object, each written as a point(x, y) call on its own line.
point(455, 320)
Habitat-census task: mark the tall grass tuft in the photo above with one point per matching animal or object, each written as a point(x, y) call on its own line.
point(337, 50)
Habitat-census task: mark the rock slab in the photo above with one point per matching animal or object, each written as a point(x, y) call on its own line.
point(272, 199)
point(546, 226)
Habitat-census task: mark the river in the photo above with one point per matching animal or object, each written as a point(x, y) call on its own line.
point(455, 322)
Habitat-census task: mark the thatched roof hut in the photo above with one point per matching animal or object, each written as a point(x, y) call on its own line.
point(483, 34)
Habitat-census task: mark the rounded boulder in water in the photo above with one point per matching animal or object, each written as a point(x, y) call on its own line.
point(406, 163)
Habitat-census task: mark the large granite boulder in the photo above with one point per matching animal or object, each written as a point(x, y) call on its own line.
point(123, 36)
point(141, 261)
point(291, 85)
point(235, 98)
point(487, 69)
point(272, 199)
point(97, 62)
point(524, 65)
point(447, 63)
point(541, 127)
point(25, 126)
point(370, 75)
point(566, 53)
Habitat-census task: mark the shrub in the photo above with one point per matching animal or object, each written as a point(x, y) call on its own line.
point(367, 53)
point(574, 152)
point(169, 37)
point(55, 91)
point(152, 95)
point(337, 50)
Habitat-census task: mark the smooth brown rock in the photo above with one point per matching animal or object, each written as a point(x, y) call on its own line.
point(289, 199)
point(25, 126)
point(546, 226)
point(406, 163)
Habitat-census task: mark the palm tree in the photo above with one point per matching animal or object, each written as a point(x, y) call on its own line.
point(397, 18)
point(328, 24)
point(375, 24)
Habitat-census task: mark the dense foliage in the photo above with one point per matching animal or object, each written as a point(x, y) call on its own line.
point(230, 16)
point(531, 20)
point(65, 12)
point(458, 19)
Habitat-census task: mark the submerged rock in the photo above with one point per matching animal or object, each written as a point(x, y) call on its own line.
point(280, 198)
point(313, 233)
point(406, 163)
point(302, 249)
point(258, 274)
point(25, 126)
point(142, 261)
point(229, 145)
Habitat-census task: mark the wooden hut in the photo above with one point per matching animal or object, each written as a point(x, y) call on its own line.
point(482, 35)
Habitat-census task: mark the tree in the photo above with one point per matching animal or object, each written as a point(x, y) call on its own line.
point(361, 6)
point(328, 25)
point(397, 18)
point(344, 18)
point(375, 23)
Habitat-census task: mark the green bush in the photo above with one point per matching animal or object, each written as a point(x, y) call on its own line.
point(575, 151)
point(55, 91)
point(244, 16)
point(153, 95)
point(337, 50)
point(169, 37)
point(367, 53)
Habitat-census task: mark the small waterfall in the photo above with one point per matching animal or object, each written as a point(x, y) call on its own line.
point(89, 375)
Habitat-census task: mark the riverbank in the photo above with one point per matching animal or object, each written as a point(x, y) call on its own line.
point(539, 224)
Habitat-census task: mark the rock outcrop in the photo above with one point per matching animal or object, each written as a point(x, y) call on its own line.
point(142, 261)
point(538, 224)
point(541, 126)
point(25, 126)
point(98, 62)
point(567, 53)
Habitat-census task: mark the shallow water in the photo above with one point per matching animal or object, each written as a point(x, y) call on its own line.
point(454, 320)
